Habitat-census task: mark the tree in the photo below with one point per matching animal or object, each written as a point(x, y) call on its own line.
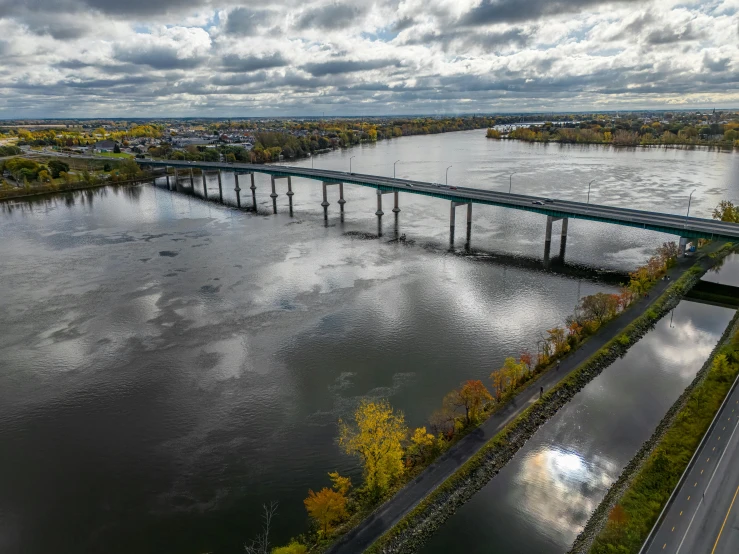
point(116, 149)
point(57, 167)
point(471, 397)
point(421, 443)
point(557, 340)
point(340, 484)
point(326, 507)
point(293, 548)
point(376, 438)
point(599, 306)
point(726, 211)
point(667, 253)
point(260, 545)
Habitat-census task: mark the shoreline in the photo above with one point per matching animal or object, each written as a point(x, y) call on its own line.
point(405, 520)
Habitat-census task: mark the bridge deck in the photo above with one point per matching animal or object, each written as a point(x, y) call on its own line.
point(692, 227)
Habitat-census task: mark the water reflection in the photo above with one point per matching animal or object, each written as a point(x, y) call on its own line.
point(541, 500)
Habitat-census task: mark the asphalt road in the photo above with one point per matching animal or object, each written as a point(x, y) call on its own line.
point(704, 515)
point(656, 221)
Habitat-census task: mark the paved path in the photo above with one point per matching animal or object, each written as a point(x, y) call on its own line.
point(704, 514)
point(372, 528)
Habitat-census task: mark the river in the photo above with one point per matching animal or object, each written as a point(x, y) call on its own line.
point(168, 365)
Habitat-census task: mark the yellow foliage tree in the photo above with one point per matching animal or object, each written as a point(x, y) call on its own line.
point(327, 507)
point(376, 438)
point(421, 443)
point(341, 484)
point(292, 548)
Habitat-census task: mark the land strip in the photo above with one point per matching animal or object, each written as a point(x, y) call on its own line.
point(409, 517)
point(697, 405)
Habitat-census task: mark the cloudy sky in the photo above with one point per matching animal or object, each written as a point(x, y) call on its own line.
point(130, 58)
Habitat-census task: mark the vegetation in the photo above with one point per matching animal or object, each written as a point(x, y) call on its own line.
point(491, 457)
point(631, 519)
point(726, 211)
point(671, 129)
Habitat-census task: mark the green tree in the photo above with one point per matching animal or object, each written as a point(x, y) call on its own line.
point(726, 211)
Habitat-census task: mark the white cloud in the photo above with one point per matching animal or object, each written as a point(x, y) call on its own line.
point(209, 57)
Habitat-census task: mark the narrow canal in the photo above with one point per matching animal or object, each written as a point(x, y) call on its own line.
point(542, 499)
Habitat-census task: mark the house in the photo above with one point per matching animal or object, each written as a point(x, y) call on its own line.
point(104, 145)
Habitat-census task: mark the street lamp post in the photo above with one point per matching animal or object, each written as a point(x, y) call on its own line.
point(590, 183)
point(396, 161)
point(446, 178)
point(510, 182)
point(350, 163)
point(690, 198)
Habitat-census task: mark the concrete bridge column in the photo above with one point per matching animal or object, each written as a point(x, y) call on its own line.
point(205, 186)
point(166, 171)
point(253, 193)
point(396, 209)
point(682, 245)
point(176, 180)
point(453, 217)
point(379, 212)
point(290, 193)
point(548, 240)
point(563, 239)
point(220, 187)
point(273, 196)
point(237, 190)
point(325, 202)
point(341, 198)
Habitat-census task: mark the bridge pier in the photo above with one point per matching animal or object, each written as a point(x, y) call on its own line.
point(237, 190)
point(192, 181)
point(341, 199)
point(205, 186)
point(290, 193)
point(681, 246)
point(220, 187)
point(548, 238)
point(176, 180)
point(379, 212)
point(396, 209)
point(253, 193)
point(453, 217)
point(166, 171)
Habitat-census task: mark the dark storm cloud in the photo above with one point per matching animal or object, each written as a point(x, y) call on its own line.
point(491, 41)
point(234, 63)
point(506, 11)
point(157, 57)
point(346, 66)
point(332, 16)
point(722, 64)
point(669, 35)
point(246, 21)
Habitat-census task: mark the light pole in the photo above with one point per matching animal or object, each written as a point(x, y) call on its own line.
point(446, 178)
point(510, 182)
point(590, 183)
point(350, 163)
point(690, 198)
point(396, 161)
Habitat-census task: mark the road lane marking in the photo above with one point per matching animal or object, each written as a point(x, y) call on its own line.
point(673, 529)
point(681, 512)
point(679, 546)
point(688, 497)
point(701, 472)
point(724, 523)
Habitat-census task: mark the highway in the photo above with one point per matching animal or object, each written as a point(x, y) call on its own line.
point(667, 223)
point(703, 516)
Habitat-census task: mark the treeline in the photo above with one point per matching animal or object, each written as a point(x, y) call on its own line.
point(32, 174)
point(634, 133)
point(9, 151)
point(77, 137)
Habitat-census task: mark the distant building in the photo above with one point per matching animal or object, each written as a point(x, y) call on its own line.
point(104, 145)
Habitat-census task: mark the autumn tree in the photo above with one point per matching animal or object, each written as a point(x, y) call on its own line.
point(421, 443)
point(557, 340)
point(376, 438)
point(340, 484)
point(326, 507)
point(599, 306)
point(726, 211)
point(471, 397)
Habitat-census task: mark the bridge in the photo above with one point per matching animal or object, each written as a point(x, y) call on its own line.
point(683, 226)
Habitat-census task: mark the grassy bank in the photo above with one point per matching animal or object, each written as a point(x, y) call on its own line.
point(19, 193)
point(648, 480)
point(412, 530)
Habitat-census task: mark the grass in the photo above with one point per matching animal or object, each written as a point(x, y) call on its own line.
point(114, 155)
point(652, 486)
